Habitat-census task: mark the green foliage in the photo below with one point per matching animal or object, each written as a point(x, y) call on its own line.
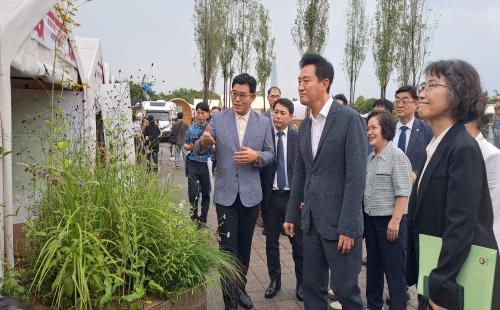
point(228, 48)
point(136, 93)
point(264, 45)
point(310, 28)
point(112, 233)
point(386, 31)
point(363, 105)
point(187, 94)
point(246, 15)
point(414, 41)
point(357, 31)
point(11, 285)
point(208, 19)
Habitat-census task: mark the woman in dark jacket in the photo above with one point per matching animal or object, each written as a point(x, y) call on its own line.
point(450, 198)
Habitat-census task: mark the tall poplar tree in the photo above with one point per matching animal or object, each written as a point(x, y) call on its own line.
point(386, 32)
point(357, 32)
point(208, 19)
point(310, 28)
point(264, 45)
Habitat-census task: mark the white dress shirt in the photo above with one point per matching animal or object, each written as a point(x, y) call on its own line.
point(395, 141)
point(431, 148)
point(491, 156)
point(241, 125)
point(317, 125)
point(285, 153)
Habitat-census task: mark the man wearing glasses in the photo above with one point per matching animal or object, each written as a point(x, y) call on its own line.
point(244, 144)
point(273, 94)
point(412, 134)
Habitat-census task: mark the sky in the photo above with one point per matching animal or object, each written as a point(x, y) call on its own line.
point(136, 33)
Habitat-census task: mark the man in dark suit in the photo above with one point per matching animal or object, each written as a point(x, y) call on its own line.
point(244, 145)
point(276, 180)
point(329, 176)
point(273, 94)
point(412, 134)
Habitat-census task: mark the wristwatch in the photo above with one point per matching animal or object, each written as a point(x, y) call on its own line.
point(257, 160)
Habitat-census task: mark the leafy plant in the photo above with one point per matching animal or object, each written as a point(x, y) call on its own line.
point(112, 234)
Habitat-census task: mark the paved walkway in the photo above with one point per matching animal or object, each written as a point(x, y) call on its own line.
point(258, 278)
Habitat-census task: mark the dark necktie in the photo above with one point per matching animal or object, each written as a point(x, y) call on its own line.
point(402, 139)
point(280, 162)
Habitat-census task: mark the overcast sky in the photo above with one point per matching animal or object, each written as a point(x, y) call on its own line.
point(136, 33)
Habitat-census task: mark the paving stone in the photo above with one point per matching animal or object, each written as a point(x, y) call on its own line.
point(258, 278)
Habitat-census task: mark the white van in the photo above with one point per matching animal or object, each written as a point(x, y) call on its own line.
point(163, 111)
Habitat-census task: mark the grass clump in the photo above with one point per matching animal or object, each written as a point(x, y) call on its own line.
point(111, 235)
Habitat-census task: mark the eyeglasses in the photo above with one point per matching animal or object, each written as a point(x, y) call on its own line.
point(274, 96)
point(429, 86)
point(372, 128)
point(403, 101)
point(242, 96)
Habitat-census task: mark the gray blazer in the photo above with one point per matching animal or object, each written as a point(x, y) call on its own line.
point(232, 179)
point(333, 182)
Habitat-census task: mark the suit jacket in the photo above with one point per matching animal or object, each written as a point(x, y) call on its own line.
point(421, 135)
point(453, 203)
point(332, 183)
point(232, 179)
point(268, 173)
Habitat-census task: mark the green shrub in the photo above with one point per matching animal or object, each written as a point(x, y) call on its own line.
point(111, 234)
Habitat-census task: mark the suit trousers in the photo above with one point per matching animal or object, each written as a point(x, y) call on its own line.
point(385, 257)
point(198, 172)
point(236, 227)
point(320, 255)
point(274, 217)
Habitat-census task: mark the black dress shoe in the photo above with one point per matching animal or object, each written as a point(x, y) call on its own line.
point(244, 300)
point(299, 293)
point(273, 289)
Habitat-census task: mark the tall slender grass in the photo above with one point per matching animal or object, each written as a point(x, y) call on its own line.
point(111, 234)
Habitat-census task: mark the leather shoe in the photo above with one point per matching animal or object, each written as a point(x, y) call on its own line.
point(299, 293)
point(244, 300)
point(273, 289)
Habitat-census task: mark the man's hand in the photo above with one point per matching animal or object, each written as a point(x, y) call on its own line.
point(289, 230)
point(245, 156)
point(436, 307)
point(393, 229)
point(188, 146)
point(345, 244)
point(206, 137)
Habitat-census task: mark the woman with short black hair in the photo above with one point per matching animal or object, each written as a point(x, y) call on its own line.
point(450, 198)
point(388, 185)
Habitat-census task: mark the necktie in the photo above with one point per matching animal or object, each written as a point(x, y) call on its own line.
point(402, 139)
point(280, 162)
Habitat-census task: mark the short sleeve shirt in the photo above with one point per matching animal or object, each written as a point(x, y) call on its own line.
point(388, 176)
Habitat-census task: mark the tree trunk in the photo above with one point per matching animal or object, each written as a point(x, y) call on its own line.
point(263, 96)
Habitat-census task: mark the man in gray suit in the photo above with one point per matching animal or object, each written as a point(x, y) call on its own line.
point(273, 94)
point(329, 175)
point(244, 144)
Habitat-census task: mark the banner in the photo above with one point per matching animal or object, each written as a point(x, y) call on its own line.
point(49, 34)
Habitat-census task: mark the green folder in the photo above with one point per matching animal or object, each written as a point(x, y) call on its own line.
point(476, 276)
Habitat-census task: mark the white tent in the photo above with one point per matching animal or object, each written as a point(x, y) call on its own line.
point(18, 18)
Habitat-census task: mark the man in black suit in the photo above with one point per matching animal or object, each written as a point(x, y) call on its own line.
point(276, 180)
point(412, 134)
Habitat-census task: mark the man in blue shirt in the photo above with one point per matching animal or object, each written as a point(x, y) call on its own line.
point(197, 168)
